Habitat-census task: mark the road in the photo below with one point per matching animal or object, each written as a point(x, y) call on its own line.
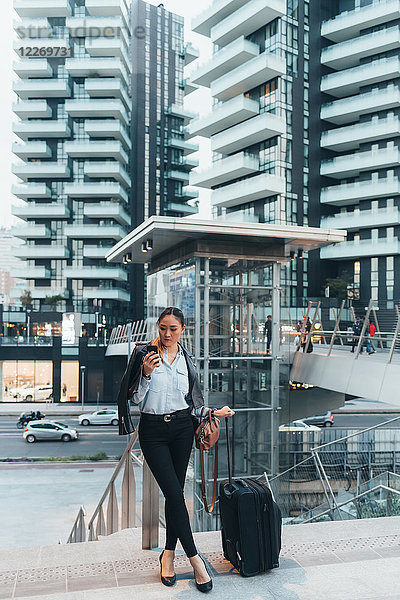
point(358, 421)
point(92, 439)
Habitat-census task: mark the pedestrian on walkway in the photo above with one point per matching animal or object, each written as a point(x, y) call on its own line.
point(367, 341)
point(307, 330)
point(372, 332)
point(165, 384)
point(357, 333)
point(268, 332)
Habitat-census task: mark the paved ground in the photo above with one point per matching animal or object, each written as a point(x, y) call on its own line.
point(350, 560)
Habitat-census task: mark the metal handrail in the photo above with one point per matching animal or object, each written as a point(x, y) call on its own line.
point(78, 533)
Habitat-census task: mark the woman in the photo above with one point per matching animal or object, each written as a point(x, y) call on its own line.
point(166, 386)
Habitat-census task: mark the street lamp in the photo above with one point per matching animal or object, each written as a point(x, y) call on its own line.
point(83, 369)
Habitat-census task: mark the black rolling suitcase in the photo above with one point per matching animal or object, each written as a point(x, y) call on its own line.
point(251, 524)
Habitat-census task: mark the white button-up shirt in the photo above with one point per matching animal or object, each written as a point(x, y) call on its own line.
point(165, 392)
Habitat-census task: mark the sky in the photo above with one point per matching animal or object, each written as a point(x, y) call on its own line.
point(198, 101)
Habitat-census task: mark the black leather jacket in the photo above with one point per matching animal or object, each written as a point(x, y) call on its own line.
point(130, 384)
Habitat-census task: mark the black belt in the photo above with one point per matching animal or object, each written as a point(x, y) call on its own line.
point(167, 418)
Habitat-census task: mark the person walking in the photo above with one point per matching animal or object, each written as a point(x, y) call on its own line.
point(372, 332)
point(357, 333)
point(268, 332)
point(165, 384)
point(367, 333)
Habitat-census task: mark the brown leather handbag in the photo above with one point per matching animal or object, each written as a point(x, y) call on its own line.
point(206, 437)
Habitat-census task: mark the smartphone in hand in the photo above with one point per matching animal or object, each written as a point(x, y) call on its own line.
point(151, 348)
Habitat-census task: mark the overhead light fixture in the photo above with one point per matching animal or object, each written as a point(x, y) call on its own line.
point(128, 258)
point(300, 253)
point(292, 255)
point(149, 245)
point(144, 248)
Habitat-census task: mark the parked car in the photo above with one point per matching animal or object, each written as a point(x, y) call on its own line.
point(34, 394)
point(298, 426)
point(106, 416)
point(324, 420)
point(49, 430)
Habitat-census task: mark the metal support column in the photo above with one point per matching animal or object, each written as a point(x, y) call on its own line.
point(197, 312)
point(275, 363)
point(150, 510)
point(206, 321)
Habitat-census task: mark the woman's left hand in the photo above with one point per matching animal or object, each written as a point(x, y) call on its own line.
point(225, 411)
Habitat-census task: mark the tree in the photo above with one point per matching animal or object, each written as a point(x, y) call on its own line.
point(26, 298)
point(52, 300)
point(338, 286)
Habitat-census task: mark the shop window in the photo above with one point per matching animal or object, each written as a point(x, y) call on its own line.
point(27, 381)
point(69, 381)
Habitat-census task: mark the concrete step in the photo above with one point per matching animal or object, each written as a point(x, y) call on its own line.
point(357, 560)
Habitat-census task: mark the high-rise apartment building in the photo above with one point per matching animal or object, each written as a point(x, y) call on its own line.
point(161, 156)
point(73, 102)
point(258, 78)
point(359, 144)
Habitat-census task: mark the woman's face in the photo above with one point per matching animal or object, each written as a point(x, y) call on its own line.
point(170, 330)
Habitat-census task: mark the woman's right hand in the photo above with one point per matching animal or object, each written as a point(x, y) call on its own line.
point(150, 362)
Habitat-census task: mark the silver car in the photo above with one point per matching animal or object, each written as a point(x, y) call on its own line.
point(49, 430)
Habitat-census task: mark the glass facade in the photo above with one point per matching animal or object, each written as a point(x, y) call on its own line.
point(26, 380)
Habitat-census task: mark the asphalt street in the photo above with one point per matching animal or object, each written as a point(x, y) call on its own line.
point(92, 439)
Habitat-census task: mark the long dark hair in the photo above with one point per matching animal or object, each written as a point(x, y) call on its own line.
point(175, 312)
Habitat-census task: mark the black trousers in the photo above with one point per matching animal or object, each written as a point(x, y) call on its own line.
point(167, 446)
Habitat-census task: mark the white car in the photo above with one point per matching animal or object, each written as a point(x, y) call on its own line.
point(106, 416)
point(34, 394)
point(298, 426)
point(49, 430)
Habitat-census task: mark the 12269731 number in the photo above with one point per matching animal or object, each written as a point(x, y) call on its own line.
point(45, 52)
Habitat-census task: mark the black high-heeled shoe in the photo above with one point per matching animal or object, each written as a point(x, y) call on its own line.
point(208, 585)
point(168, 581)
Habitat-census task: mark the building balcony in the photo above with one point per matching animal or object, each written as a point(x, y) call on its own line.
point(103, 169)
point(106, 107)
point(181, 144)
point(213, 14)
point(349, 53)
point(114, 273)
point(363, 219)
point(32, 273)
point(32, 109)
point(108, 86)
point(96, 190)
point(25, 232)
point(361, 249)
point(188, 193)
point(350, 165)
point(190, 53)
point(89, 231)
point(108, 129)
point(348, 82)
point(39, 293)
point(50, 128)
point(36, 27)
point(42, 88)
point(42, 170)
point(38, 8)
point(31, 190)
point(247, 19)
point(106, 8)
point(187, 86)
point(38, 67)
point(257, 129)
point(95, 252)
point(98, 26)
point(176, 110)
point(224, 116)
point(88, 67)
point(225, 60)
point(183, 208)
point(253, 188)
point(352, 193)
point(107, 210)
point(186, 164)
point(178, 176)
point(34, 210)
point(103, 149)
point(35, 251)
point(227, 169)
point(109, 47)
point(350, 109)
point(351, 136)
point(27, 150)
point(350, 23)
point(253, 73)
point(117, 294)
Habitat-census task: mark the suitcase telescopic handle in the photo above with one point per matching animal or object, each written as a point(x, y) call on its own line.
point(228, 450)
